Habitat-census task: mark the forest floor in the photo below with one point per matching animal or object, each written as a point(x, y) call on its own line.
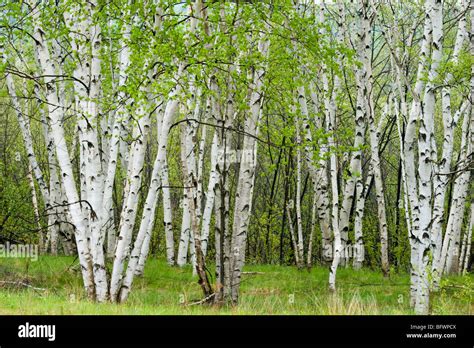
point(52, 285)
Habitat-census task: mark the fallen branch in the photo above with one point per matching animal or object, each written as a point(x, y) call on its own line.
point(204, 300)
point(450, 287)
point(19, 283)
point(375, 284)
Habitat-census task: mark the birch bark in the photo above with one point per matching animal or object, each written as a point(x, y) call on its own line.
point(321, 180)
point(245, 185)
point(330, 115)
point(299, 222)
point(129, 210)
point(425, 165)
point(55, 115)
point(120, 291)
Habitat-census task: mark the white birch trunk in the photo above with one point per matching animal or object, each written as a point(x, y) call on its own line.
point(129, 211)
point(47, 66)
point(425, 165)
point(34, 202)
point(168, 214)
point(309, 254)
point(209, 205)
point(56, 209)
point(359, 249)
point(381, 211)
point(145, 249)
point(467, 252)
point(450, 247)
point(299, 222)
point(408, 148)
point(27, 140)
point(293, 236)
point(320, 173)
point(330, 115)
point(337, 246)
point(444, 167)
point(119, 293)
point(245, 185)
point(185, 231)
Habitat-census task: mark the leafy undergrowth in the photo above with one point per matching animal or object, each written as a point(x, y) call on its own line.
point(52, 285)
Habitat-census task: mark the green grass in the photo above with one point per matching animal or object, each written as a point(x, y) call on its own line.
point(170, 290)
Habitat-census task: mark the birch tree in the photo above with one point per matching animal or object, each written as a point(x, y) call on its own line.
point(47, 66)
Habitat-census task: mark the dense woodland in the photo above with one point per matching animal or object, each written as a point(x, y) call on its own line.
point(226, 133)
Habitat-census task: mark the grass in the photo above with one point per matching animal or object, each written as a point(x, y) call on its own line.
point(274, 290)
